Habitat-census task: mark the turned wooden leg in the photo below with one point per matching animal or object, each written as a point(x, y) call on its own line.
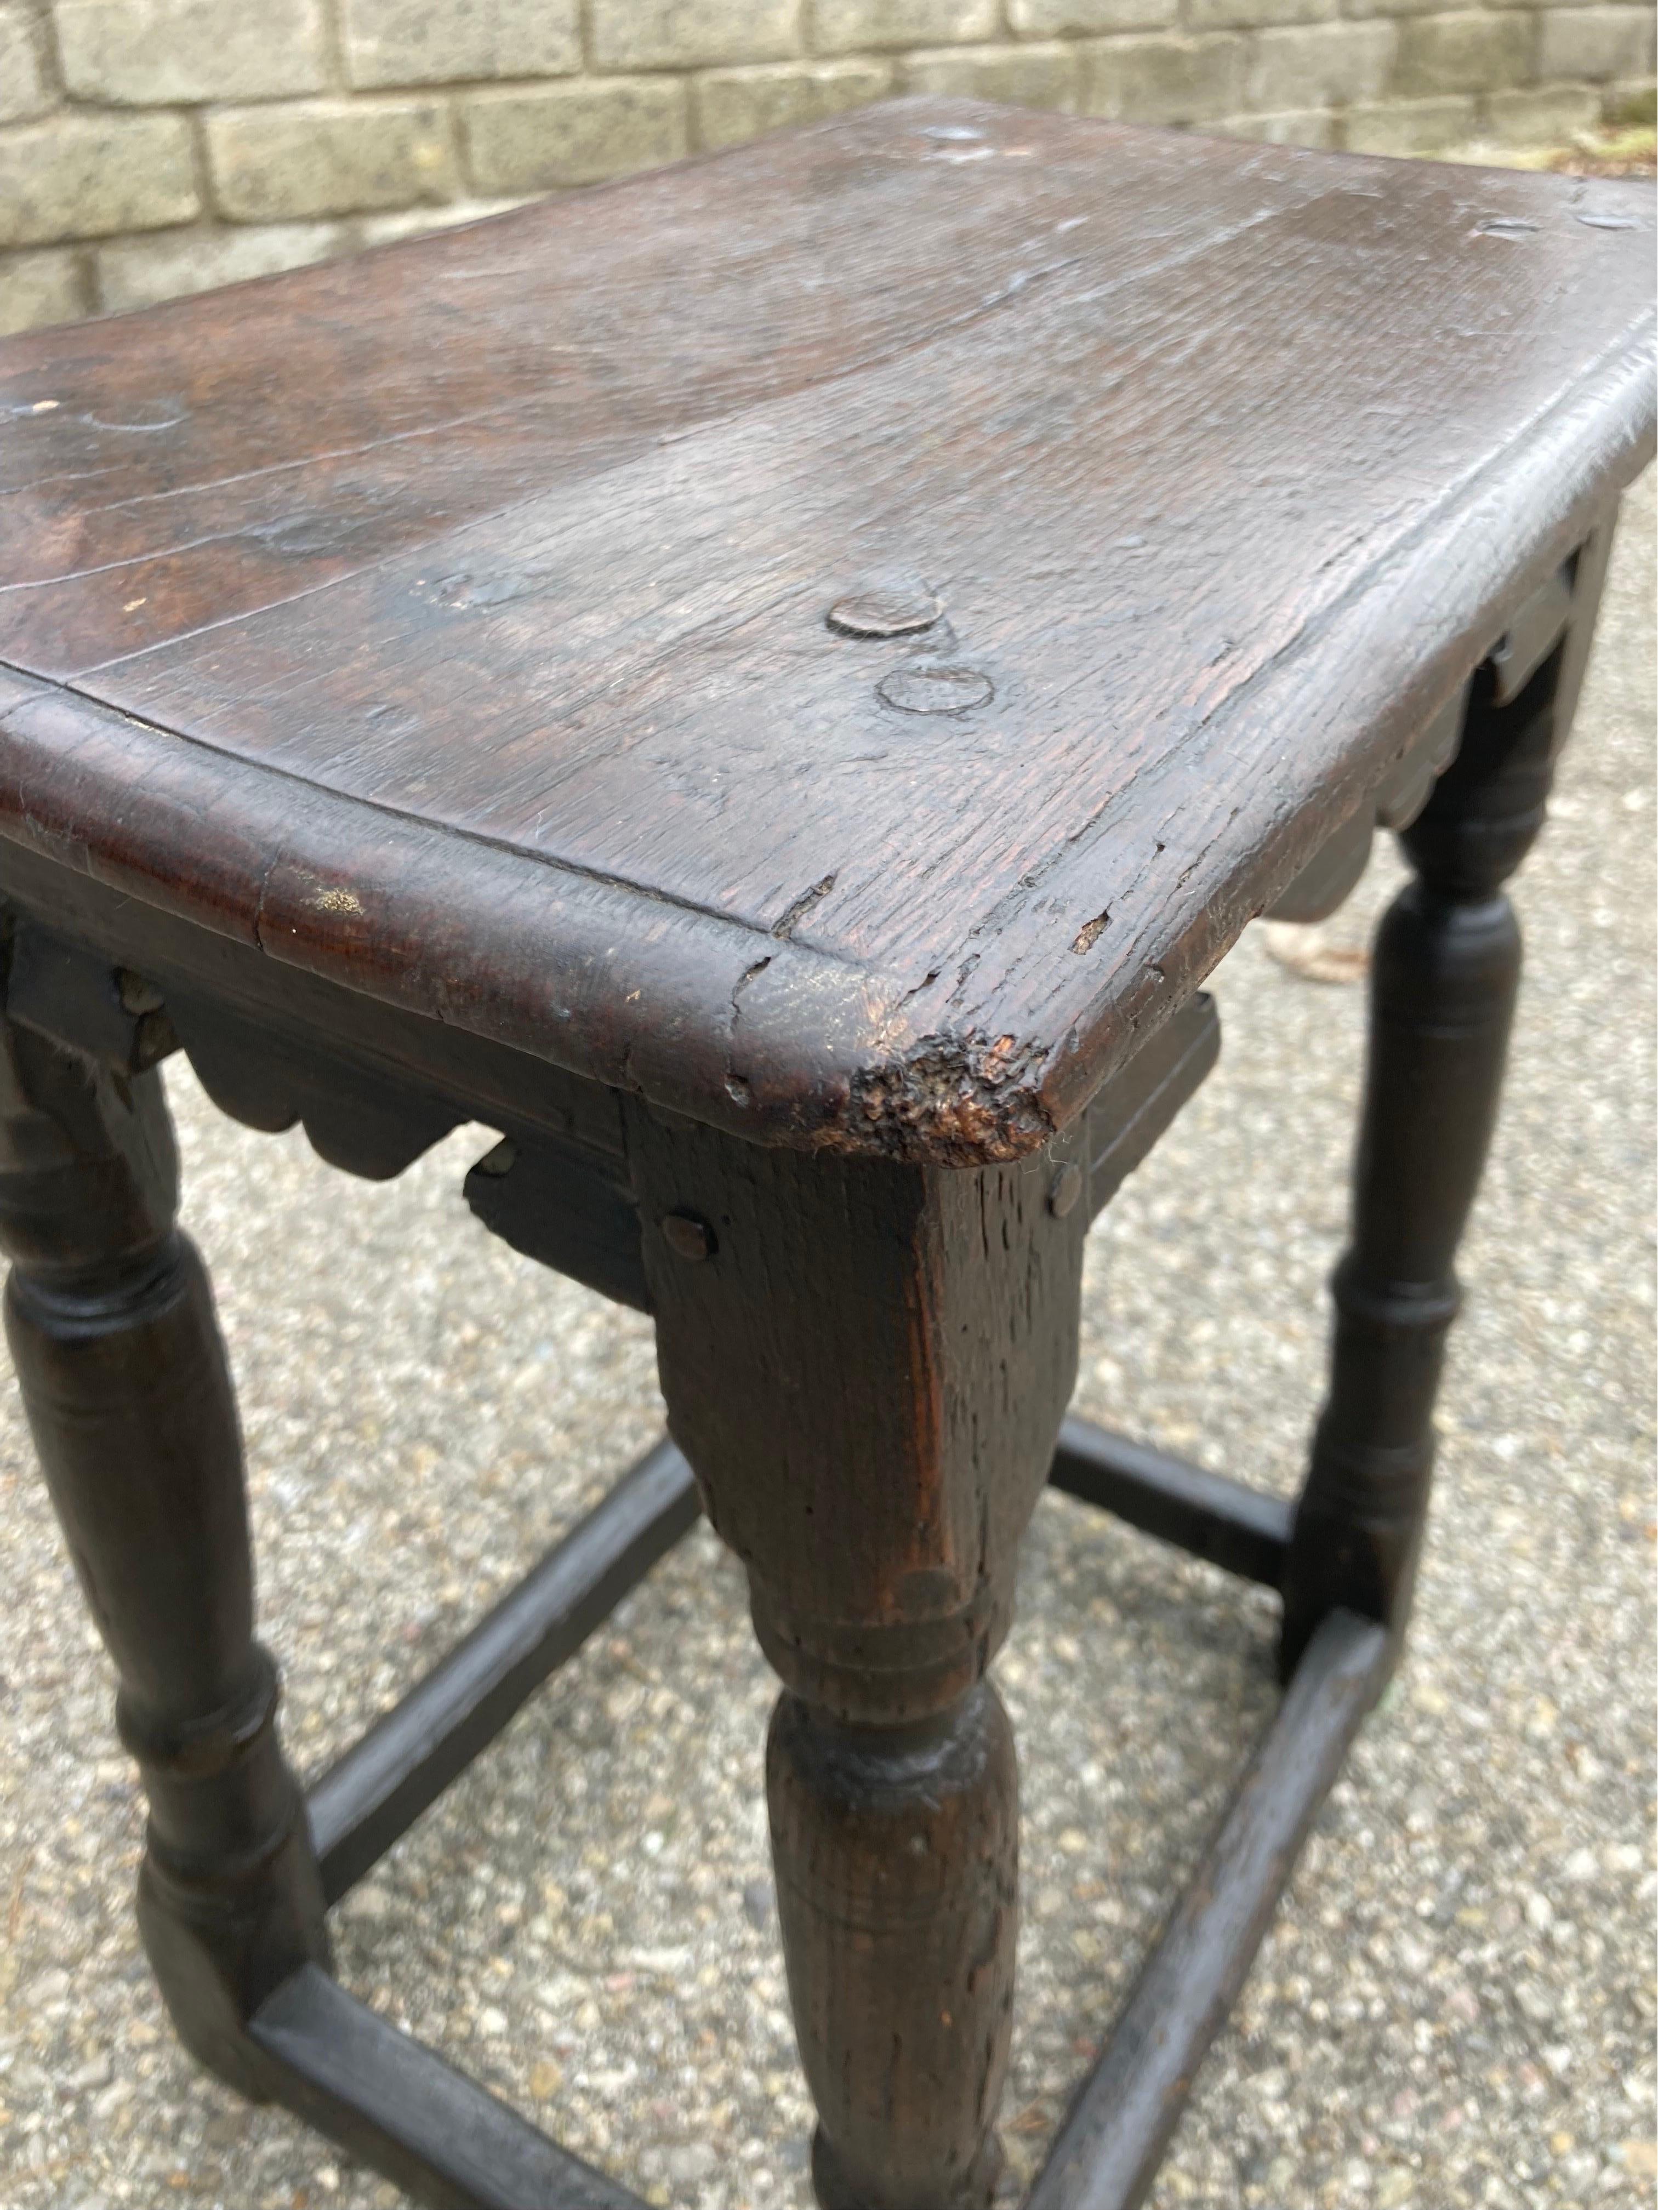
point(112, 1328)
point(896, 1853)
point(1443, 982)
point(866, 1365)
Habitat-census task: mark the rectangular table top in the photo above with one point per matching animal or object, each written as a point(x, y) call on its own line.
point(839, 635)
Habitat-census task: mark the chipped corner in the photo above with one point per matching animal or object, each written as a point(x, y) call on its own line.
point(949, 1101)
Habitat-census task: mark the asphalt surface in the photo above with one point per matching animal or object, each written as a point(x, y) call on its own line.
point(1456, 2006)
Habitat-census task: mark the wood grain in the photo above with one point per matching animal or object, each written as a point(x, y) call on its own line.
point(454, 624)
point(865, 1363)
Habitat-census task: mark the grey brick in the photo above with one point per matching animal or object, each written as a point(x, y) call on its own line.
point(38, 288)
point(738, 104)
point(1542, 115)
point(168, 49)
point(1164, 80)
point(1250, 15)
point(1630, 105)
point(839, 27)
point(1392, 7)
point(448, 41)
point(23, 90)
point(572, 134)
point(1603, 43)
point(85, 176)
point(134, 272)
point(1301, 127)
point(640, 35)
point(328, 157)
point(1054, 19)
point(1028, 76)
point(1470, 51)
point(1409, 126)
point(1320, 66)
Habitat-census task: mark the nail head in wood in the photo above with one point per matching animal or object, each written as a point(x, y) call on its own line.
point(688, 1237)
point(1065, 1190)
point(136, 996)
point(887, 609)
point(925, 686)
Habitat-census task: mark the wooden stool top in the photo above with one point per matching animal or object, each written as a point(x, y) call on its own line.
point(839, 637)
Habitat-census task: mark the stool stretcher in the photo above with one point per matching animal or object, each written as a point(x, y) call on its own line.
point(445, 2139)
point(1231, 1525)
point(439, 2136)
point(382, 1785)
point(1122, 2117)
point(377, 1790)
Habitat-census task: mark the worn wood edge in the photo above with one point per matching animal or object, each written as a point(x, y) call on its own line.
point(213, 975)
point(374, 1791)
point(597, 976)
point(1119, 2123)
point(1536, 502)
point(637, 991)
point(388, 2100)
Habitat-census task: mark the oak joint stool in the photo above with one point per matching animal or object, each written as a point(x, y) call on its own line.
point(770, 685)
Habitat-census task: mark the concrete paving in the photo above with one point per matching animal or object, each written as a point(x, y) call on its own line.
point(1456, 2005)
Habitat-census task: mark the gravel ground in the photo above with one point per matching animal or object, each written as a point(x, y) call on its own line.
point(1456, 2004)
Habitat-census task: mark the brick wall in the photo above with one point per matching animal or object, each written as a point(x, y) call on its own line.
point(152, 147)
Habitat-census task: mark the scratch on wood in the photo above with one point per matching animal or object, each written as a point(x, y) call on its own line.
point(798, 909)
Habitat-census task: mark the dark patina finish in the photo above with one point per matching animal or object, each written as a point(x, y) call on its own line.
point(770, 685)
